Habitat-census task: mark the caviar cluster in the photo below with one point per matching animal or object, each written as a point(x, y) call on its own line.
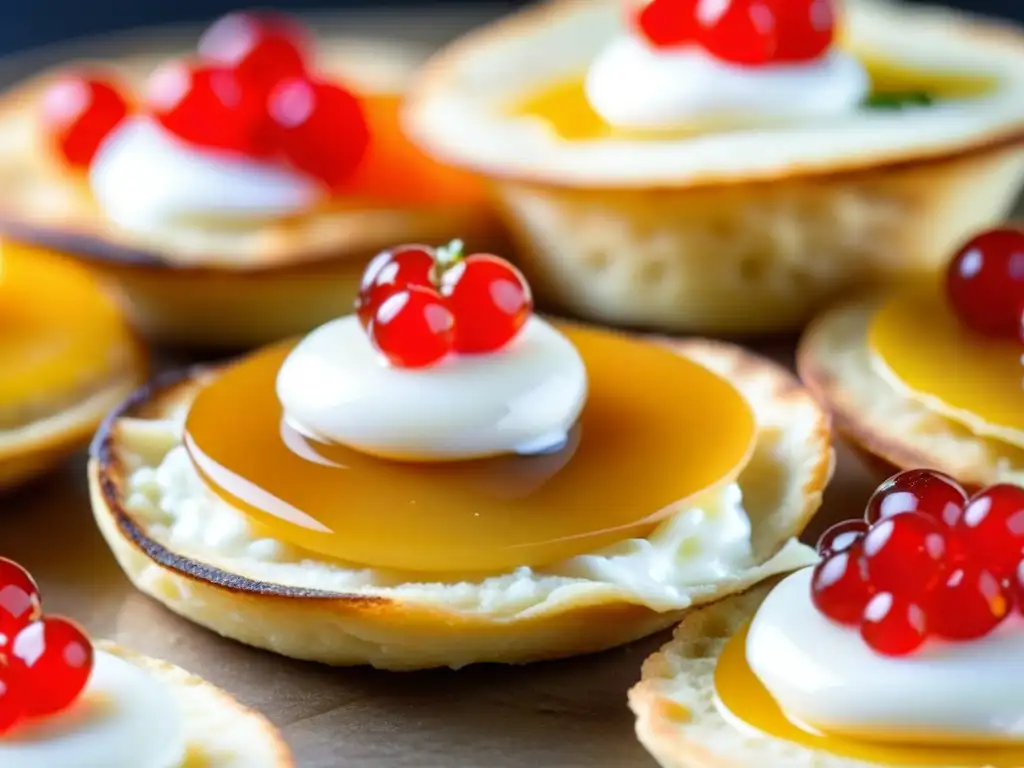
point(742, 32)
point(926, 561)
point(418, 303)
point(985, 284)
point(250, 91)
point(45, 661)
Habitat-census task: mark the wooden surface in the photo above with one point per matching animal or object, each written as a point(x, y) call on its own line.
point(558, 715)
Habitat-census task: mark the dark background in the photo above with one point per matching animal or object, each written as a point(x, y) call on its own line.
point(29, 23)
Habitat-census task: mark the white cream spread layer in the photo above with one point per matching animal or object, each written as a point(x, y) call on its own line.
point(146, 180)
point(335, 387)
point(124, 719)
point(825, 676)
point(704, 548)
point(632, 85)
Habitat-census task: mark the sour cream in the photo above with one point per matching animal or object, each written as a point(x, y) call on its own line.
point(634, 86)
point(525, 398)
point(146, 180)
point(124, 719)
point(825, 676)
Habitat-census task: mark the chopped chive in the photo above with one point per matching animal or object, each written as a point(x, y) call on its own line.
point(898, 100)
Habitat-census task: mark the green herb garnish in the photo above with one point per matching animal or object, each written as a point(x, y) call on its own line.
point(898, 100)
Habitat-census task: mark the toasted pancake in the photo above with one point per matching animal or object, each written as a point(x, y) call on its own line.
point(342, 615)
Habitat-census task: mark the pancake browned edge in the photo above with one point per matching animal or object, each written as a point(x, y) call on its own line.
point(834, 361)
point(195, 286)
point(219, 732)
point(31, 449)
point(406, 627)
point(677, 719)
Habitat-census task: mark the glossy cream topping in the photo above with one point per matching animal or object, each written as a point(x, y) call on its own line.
point(124, 719)
point(634, 86)
point(147, 180)
point(525, 398)
point(825, 676)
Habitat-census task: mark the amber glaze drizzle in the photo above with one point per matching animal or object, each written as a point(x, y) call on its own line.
point(920, 340)
point(58, 330)
point(391, 156)
point(657, 429)
point(564, 105)
point(744, 699)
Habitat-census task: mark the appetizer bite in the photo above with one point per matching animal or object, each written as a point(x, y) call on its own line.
point(444, 478)
point(235, 194)
point(730, 166)
point(66, 702)
point(897, 648)
point(66, 358)
point(932, 375)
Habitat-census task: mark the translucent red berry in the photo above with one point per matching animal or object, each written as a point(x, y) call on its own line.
point(19, 599)
point(806, 29)
point(741, 32)
point(78, 113)
point(667, 23)
point(968, 603)
point(893, 625)
point(320, 128)
point(756, 32)
point(11, 710)
point(839, 586)
point(918, 490)
point(413, 328)
point(209, 107)
point(992, 528)
point(263, 48)
point(490, 299)
point(1016, 583)
point(841, 537)
point(390, 271)
point(56, 658)
point(906, 554)
point(985, 283)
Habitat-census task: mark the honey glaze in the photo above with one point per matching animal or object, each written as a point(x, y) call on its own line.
point(391, 156)
point(657, 430)
point(58, 330)
point(745, 702)
point(564, 106)
point(920, 341)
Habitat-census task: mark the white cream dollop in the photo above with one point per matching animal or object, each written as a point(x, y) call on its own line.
point(525, 398)
point(824, 675)
point(124, 719)
point(147, 180)
point(634, 86)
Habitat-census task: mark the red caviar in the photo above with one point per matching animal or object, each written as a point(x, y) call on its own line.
point(79, 112)
point(419, 303)
point(45, 661)
point(263, 48)
point(985, 283)
point(926, 562)
point(251, 93)
point(668, 23)
point(209, 107)
point(761, 32)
